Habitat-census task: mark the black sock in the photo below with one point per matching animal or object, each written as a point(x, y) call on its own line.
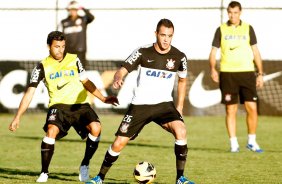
point(90, 149)
point(107, 163)
point(181, 155)
point(47, 151)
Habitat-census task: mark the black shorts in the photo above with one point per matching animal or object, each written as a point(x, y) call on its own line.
point(234, 84)
point(64, 116)
point(138, 116)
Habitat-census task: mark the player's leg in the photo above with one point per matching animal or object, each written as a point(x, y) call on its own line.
point(55, 128)
point(248, 97)
point(230, 121)
point(87, 125)
point(112, 154)
point(92, 143)
point(47, 150)
point(252, 116)
point(131, 125)
point(252, 121)
point(178, 129)
point(230, 90)
point(171, 120)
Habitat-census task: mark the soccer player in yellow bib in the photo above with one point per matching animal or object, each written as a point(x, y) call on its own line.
point(67, 83)
point(240, 58)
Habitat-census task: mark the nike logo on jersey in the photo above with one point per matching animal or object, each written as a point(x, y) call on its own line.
point(201, 98)
point(150, 61)
point(233, 48)
point(60, 87)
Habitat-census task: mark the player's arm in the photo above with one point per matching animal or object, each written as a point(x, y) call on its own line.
point(118, 77)
point(130, 64)
point(91, 87)
point(22, 108)
point(88, 15)
point(212, 61)
point(258, 63)
point(36, 76)
point(181, 93)
point(212, 57)
point(257, 57)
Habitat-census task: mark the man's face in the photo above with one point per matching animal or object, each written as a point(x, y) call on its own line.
point(164, 38)
point(57, 49)
point(234, 15)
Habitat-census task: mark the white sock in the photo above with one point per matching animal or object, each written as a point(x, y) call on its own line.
point(113, 153)
point(252, 139)
point(234, 142)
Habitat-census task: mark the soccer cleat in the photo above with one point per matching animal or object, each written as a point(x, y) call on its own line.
point(83, 173)
point(254, 147)
point(95, 180)
point(184, 180)
point(43, 177)
point(234, 150)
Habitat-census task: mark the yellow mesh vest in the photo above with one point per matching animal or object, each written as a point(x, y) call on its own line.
point(62, 81)
point(236, 52)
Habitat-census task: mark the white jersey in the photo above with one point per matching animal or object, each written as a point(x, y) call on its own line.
point(156, 73)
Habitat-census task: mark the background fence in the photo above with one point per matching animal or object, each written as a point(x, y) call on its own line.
point(203, 96)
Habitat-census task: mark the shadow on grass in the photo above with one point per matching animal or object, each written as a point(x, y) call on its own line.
point(101, 142)
point(132, 143)
point(14, 174)
point(113, 181)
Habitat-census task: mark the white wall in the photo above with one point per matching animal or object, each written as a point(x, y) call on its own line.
point(122, 25)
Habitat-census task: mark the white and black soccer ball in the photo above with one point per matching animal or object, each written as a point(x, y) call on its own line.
point(144, 172)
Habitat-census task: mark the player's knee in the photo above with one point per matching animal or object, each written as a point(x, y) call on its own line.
point(52, 131)
point(120, 143)
point(94, 128)
point(181, 133)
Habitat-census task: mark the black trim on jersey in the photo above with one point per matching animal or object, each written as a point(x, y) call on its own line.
point(36, 77)
point(80, 67)
point(148, 57)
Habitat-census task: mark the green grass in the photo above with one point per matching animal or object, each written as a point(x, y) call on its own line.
point(209, 160)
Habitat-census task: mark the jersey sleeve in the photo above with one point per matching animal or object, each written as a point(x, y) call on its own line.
point(182, 71)
point(133, 61)
point(37, 75)
point(81, 70)
point(216, 38)
point(253, 38)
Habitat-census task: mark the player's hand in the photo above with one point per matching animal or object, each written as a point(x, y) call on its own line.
point(112, 100)
point(214, 76)
point(117, 84)
point(259, 82)
point(14, 125)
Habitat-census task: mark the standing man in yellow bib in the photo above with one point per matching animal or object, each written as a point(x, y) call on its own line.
point(240, 58)
point(66, 80)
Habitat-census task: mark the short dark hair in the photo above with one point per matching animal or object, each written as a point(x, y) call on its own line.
point(164, 22)
point(55, 35)
point(234, 4)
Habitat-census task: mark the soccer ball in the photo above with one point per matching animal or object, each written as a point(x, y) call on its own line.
point(144, 172)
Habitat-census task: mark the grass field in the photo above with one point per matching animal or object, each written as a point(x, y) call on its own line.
point(209, 160)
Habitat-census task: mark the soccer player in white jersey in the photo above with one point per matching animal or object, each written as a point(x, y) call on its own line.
point(158, 65)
